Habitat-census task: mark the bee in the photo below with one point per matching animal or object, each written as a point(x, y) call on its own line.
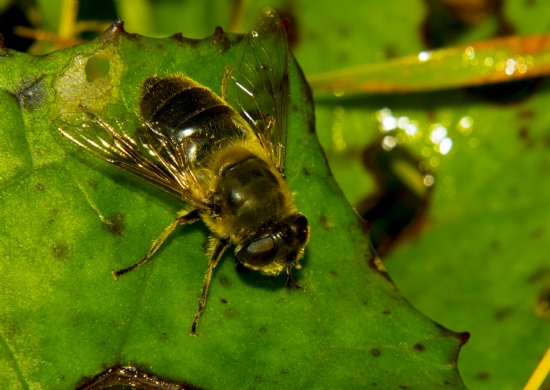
point(223, 156)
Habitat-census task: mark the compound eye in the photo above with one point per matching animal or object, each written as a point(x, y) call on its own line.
point(301, 228)
point(257, 253)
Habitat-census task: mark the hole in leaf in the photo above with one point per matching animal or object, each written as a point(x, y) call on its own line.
point(97, 67)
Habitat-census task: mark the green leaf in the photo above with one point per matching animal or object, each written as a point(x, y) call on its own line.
point(477, 258)
point(69, 218)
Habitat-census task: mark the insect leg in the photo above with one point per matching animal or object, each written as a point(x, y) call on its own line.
point(291, 283)
point(185, 219)
point(215, 255)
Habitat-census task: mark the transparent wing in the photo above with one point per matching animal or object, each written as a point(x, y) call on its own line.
point(260, 84)
point(156, 159)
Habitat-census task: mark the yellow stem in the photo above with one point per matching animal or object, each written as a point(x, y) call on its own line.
point(540, 373)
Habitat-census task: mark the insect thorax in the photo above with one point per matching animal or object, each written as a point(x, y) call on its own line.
point(250, 192)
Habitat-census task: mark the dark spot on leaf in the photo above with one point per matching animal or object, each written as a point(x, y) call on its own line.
point(306, 172)
point(263, 330)
point(224, 281)
point(275, 382)
point(224, 301)
point(526, 114)
point(60, 251)
point(39, 186)
point(325, 222)
point(386, 312)
point(524, 135)
point(446, 383)
point(62, 378)
point(129, 376)
point(375, 352)
point(114, 225)
point(503, 313)
point(333, 272)
point(537, 232)
point(482, 375)
point(495, 245)
point(403, 387)
point(419, 347)
point(230, 313)
point(284, 372)
point(93, 184)
point(538, 274)
point(258, 378)
point(31, 94)
point(542, 308)
point(163, 337)
point(365, 303)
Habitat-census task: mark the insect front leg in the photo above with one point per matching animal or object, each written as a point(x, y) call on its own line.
point(185, 219)
point(215, 254)
point(291, 283)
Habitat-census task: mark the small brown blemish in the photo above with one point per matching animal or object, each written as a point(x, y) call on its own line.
point(224, 281)
point(503, 313)
point(259, 378)
point(542, 307)
point(325, 222)
point(482, 375)
point(60, 251)
point(333, 272)
point(386, 312)
point(263, 330)
point(224, 301)
point(523, 134)
point(537, 232)
point(114, 225)
point(93, 184)
point(403, 387)
point(31, 94)
point(284, 372)
point(39, 186)
point(230, 313)
point(419, 347)
point(375, 352)
point(539, 274)
point(526, 114)
point(163, 337)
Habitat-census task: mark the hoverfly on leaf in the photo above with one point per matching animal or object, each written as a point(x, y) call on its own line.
point(223, 156)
